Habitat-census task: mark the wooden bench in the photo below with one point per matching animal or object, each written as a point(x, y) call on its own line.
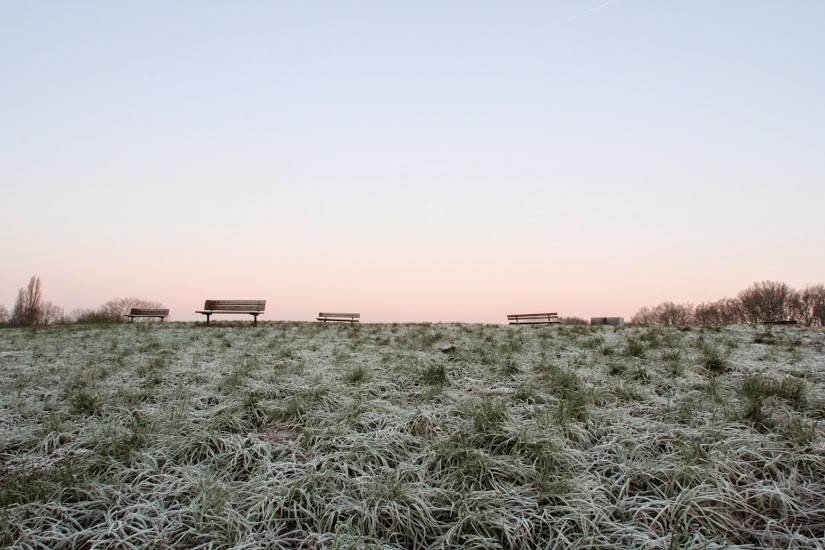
point(534, 319)
point(240, 307)
point(342, 317)
point(143, 312)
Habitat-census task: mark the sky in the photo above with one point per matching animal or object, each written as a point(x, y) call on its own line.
point(411, 161)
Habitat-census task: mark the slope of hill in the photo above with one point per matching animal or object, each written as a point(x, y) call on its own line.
point(311, 435)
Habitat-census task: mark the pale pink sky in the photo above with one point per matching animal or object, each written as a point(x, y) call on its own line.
point(421, 162)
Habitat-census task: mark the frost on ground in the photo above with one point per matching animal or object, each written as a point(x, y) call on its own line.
point(315, 435)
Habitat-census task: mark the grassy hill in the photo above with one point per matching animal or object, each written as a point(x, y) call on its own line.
point(416, 435)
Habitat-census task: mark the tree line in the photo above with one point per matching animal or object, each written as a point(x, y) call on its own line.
point(30, 309)
point(762, 302)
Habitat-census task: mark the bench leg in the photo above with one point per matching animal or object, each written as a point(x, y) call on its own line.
point(255, 319)
point(207, 318)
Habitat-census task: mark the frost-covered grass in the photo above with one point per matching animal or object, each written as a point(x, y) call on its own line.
point(316, 435)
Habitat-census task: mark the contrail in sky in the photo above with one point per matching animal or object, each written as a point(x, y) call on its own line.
point(592, 10)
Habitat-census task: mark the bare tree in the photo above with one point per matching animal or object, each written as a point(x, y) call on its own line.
point(809, 304)
point(4, 315)
point(819, 307)
point(645, 316)
point(669, 313)
point(766, 302)
point(51, 314)
point(762, 302)
point(721, 312)
point(666, 313)
point(28, 309)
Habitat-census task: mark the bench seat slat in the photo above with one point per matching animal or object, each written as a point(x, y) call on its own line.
point(534, 318)
point(234, 308)
point(356, 315)
point(340, 317)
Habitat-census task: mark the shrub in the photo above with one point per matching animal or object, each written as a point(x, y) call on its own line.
point(809, 305)
point(721, 312)
point(763, 302)
point(766, 302)
point(644, 316)
point(666, 313)
point(113, 311)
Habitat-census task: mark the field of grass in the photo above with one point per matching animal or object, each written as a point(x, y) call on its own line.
point(286, 435)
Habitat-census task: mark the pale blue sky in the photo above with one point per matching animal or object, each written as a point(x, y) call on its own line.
point(450, 160)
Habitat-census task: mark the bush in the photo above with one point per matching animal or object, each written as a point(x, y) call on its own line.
point(763, 302)
point(809, 305)
point(113, 311)
point(666, 313)
point(766, 302)
point(721, 312)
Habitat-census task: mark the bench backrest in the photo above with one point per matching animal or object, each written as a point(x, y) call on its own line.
point(235, 305)
point(149, 312)
point(519, 316)
point(347, 315)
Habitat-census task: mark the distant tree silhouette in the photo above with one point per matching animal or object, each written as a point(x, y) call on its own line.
point(4, 315)
point(51, 314)
point(762, 302)
point(28, 309)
